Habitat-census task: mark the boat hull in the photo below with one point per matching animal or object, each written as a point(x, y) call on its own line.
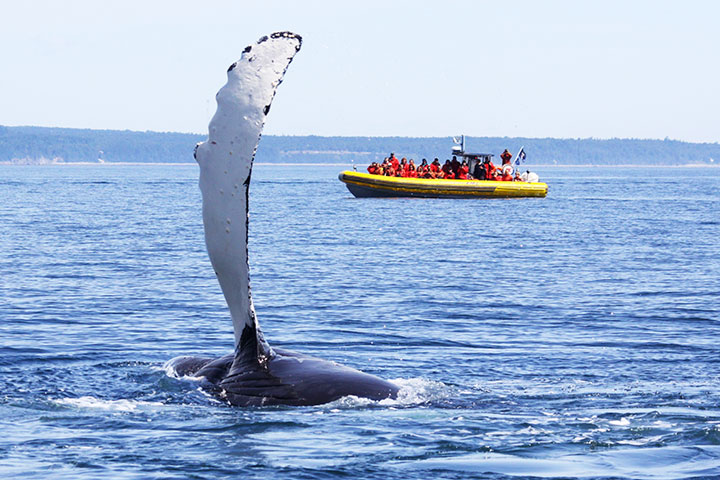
point(363, 185)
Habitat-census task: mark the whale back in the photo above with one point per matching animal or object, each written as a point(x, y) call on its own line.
point(225, 161)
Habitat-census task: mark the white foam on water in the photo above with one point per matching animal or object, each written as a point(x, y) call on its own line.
point(418, 390)
point(623, 422)
point(413, 391)
point(122, 405)
point(170, 371)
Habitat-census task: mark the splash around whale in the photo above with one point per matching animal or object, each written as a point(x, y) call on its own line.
point(255, 373)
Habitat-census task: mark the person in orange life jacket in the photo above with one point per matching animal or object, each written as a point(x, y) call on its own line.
point(455, 165)
point(402, 171)
point(463, 170)
point(390, 170)
point(411, 171)
point(381, 168)
point(372, 169)
point(446, 171)
point(394, 161)
point(447, 168)
point(403, 164)
point(490, 169)
point(412, 162)
point(506, 173)
point(435, 166)
point(506, 170)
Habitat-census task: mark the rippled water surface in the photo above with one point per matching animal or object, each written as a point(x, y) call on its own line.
point(571, 336)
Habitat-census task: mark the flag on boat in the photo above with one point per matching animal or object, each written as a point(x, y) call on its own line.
point(520, 157)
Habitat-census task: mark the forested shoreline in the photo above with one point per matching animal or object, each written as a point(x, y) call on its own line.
point(46, 145)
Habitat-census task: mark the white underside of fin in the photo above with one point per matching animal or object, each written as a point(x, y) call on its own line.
point(226, 160)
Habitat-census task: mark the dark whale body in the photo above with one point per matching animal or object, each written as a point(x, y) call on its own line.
point(288, 378)
point(255, 374)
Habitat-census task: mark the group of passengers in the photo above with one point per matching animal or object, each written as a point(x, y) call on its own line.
point(451, 169)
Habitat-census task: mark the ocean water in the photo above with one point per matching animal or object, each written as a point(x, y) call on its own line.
point(574, 336)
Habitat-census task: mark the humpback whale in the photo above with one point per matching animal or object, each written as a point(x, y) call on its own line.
point(255, 373)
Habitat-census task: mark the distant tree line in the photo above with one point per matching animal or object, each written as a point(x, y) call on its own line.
point(47, 145)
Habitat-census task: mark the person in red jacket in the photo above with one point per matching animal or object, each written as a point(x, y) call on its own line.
point(455, 165)
point(411, 171)
point(372, 169)
point(435, 168)
point(463, 170)
point(490, 170)
point(394, 161)
point(447, 169)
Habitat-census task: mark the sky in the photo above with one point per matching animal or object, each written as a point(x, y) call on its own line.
point(552, 68)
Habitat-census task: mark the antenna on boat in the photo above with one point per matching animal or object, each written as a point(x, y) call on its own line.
point(459, 141)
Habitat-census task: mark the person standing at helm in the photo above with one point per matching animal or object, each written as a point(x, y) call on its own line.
point(479, 172)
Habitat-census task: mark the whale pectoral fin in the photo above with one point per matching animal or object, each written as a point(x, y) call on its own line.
point(226, 160)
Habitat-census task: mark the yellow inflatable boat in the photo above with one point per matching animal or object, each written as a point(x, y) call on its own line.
point(368, 185)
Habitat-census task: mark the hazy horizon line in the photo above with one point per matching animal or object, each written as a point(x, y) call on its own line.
point(368, 136)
